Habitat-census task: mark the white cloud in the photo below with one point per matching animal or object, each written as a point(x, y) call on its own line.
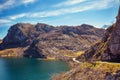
point(28, 1)
point(90, 5)
point(69, 3)
point(7, 4)
point(102, 4)
point(13, 3)
point(4, 21)
point(17, 16)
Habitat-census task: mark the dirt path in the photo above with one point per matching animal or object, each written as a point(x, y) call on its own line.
point(74, 59)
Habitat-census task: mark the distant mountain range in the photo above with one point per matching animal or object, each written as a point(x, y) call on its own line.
point(42, 40)
point(105, 26)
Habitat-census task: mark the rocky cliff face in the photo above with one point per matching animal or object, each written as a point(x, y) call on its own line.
point(108, 49)
point(41, 40)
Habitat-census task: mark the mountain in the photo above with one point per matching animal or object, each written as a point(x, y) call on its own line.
point(105, 26)
point(101, 61)
point(108, 49)
point(43, 40)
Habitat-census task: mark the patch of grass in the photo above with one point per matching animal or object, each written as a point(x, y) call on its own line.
point(89, 71)
point(71, 54)
point(13, 52)
point(79, 53)
point(107, 66)
point(104, 66)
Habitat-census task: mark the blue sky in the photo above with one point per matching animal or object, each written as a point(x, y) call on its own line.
point(57, 12)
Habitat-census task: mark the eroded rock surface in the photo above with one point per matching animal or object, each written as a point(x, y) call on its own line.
point(41, 40)
point(108, 49)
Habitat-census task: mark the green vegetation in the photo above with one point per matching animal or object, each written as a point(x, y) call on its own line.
point(89, 71)
point(107, 66)
point(13, 52)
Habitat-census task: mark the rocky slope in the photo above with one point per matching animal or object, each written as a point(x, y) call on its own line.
point(98, 62)
point(92, 71)
point(43, 40)
point(108, 49)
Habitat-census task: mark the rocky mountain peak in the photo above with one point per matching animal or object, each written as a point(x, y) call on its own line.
point(20, 25)
point(87, 26)
point(118, 16)
point(43, 27)
point(108, 49)
point(18, 34)
point(43, 39)
point(114, 44)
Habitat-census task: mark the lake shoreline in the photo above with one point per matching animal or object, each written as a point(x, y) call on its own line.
point(32, 68)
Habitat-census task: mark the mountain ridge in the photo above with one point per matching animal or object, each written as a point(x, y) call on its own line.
point(101, 61)
point(44, 39)
point(108, 49)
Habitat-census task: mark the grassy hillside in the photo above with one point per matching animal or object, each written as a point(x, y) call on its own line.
point(91, 71)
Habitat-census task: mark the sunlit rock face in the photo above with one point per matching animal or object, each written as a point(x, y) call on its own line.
point(18, 34)
point(114, 44)
point(42, 39)
point(22, 34)
point(108, 49)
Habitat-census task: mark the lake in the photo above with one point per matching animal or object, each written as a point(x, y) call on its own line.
point(30, 69)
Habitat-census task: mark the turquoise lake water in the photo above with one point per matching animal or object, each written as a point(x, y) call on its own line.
point(29, 69)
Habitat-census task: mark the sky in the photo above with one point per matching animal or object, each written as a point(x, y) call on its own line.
point(57, 12)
